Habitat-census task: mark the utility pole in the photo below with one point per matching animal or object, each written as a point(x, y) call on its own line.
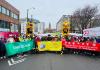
point(27, 15)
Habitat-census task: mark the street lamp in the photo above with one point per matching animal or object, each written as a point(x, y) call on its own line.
point(28, 13)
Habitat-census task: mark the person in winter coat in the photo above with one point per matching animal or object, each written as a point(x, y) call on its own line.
point(37, 39)
point(16, 38)
point(2, 50)
point(10, 39)
point(49, 38)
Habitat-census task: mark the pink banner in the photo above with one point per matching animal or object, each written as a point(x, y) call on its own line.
point(7, 34)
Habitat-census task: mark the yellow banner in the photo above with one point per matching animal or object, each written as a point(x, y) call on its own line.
point(50, 46)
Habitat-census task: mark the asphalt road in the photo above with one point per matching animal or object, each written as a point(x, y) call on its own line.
point(53, 61)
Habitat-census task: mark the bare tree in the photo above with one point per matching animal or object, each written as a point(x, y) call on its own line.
point(82, 17)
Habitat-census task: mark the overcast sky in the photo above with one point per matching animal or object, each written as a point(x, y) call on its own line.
point(50, 10)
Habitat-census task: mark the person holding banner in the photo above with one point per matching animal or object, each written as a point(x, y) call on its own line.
point(20, 38)
point(16, 38)
point(28, 38)
point(37, 39)
point(98, 40)
point(49, 38)
point(55, 38)
point(10, 39)
point(2, 50)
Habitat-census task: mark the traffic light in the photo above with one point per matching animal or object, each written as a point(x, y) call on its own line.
point(29, 29)
point(66, 28)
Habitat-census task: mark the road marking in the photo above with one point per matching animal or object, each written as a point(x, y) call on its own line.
point(13, 62)
point(9, 63)
point(22, 56)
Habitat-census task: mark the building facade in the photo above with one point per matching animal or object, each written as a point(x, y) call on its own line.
point(59, 24)
point(73, 24)
point(9, 17)
point(23, 26)
point(41, 27)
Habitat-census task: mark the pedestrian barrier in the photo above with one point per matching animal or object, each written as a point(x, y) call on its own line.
point(19, 47)
point(49, 46)
point(90, 46)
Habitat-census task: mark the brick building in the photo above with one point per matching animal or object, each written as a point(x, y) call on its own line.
point(9, 17)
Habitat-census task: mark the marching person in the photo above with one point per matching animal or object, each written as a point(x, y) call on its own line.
point(49, 38)
point(28, 38)
point(16, 38)
point(20, 38)
point(56, 38)
point(2, 50)
point(98, 39)
point(10, 39)
point(37, 39)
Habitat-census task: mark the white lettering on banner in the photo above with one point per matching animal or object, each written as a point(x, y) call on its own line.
point(73, 43)
point(94, 44)
point(21, 46)
point(15, 47)
point(87, 44)
point(68, 42)
point(13, 62)
point(82, 43)
point(78, 43)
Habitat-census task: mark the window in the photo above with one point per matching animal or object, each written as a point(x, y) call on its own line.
point(12, 14)
point(1, 24)
point(8, 25)
point(8, 12)
point(0, 9)
point(4, 24)
point(16, 27)
point(15, 16)
point(3, 10)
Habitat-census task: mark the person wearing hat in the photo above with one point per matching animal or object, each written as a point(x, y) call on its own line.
point(49, 38)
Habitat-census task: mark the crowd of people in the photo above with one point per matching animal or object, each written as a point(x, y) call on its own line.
point(37, 38)
point(21, 38)
point(82, 39)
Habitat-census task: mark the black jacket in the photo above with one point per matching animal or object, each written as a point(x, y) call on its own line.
point(2, 48)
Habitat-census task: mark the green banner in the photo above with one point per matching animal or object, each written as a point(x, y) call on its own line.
point(19, 47)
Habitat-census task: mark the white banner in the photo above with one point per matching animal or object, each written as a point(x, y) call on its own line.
point(91, 32)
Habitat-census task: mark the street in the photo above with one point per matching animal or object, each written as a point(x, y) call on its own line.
point(53, 61)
